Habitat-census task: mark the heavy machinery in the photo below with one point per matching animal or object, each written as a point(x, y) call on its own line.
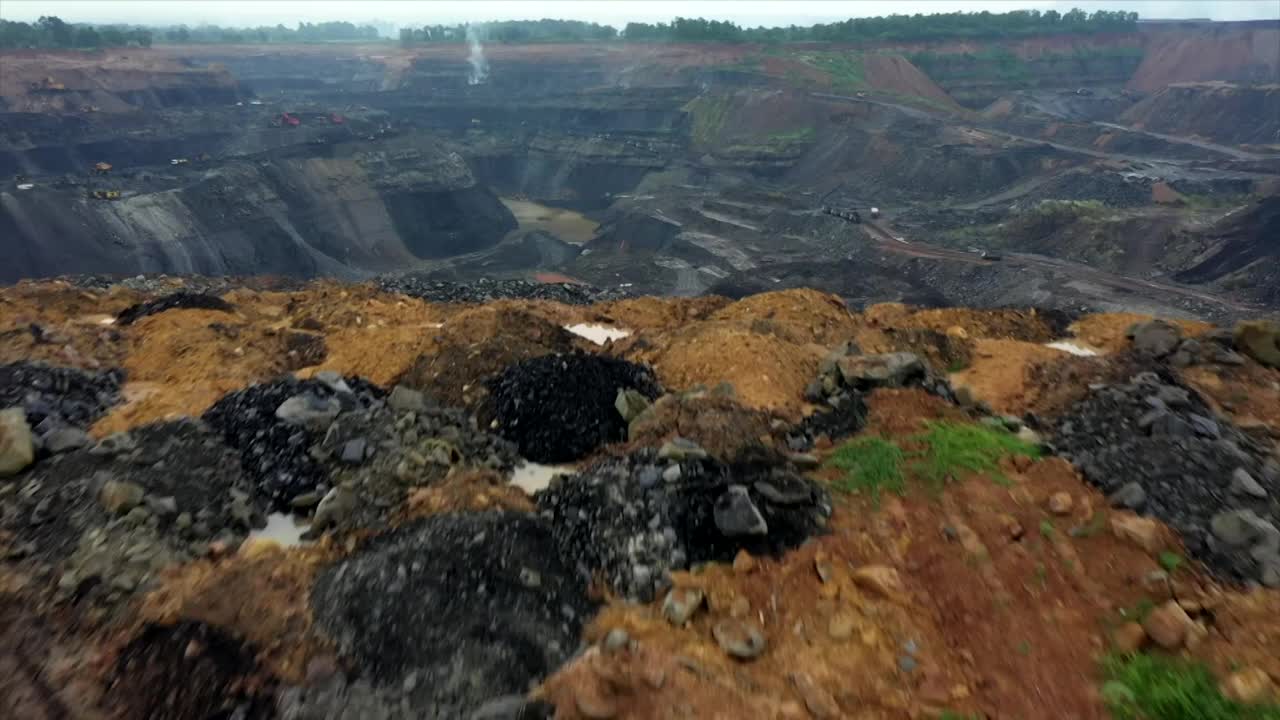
point(289, 120)
point(843, 213)
point(101, 168)
point(104, 194)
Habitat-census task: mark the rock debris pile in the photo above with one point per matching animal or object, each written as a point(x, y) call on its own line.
point(107, 518)
point(635, 519)
point(455, 610)
point(485, 290)
point(558, 408)
point(274, 424)
point(1154, 447)
point(56, 398)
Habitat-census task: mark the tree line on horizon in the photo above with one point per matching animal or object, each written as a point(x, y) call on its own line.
point(53, 32)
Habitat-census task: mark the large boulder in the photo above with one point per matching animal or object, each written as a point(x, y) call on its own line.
point(1259, 340)
point(16, 448)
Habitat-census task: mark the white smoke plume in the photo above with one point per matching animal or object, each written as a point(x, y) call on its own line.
point(479, 65)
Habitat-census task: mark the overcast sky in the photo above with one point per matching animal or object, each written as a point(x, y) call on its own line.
point(614, 12)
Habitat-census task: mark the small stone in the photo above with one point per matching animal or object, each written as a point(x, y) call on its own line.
point(671, 474)
point(1157, 337)
point(879, 579)
point(819, 702)
point(822, 565)
point(1010, 526)
point(630, 403)
point(17, 449)
point(743, 563)
point(1129, 638)
point(741, 639)
point(964, 396)
point(403, 399)
point(1168, 625)
point(805, 461)
point(1131, 495)
point(884, 370)
point(906, 663)
point(333, 380)
point(353, 451)
point(309, 410)
point(1242, 483)
point(615, 640)
point(1060, 503)
point(66, 439)
point(1250, 686)
point(736, 515)
point(1236, 528)
point(681, 604)
point(530, 578)
point(680, 449)
point(120, 496)
point(1143, 532)
point(841, 625)
point(164, 506)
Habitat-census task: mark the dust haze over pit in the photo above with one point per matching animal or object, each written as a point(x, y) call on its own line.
point(238, 13)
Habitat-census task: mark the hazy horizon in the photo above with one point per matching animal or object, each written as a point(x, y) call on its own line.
point(748, 13)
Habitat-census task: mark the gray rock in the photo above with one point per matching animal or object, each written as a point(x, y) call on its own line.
point(1173, 397)
point(120, 496)
point(739, 638)
point(805, 461)
point(630, 403)
point(781, 494)
point(735, 515)
point(309, 410)
point(1236, 528)
point(1270, 576)
point(1157, 337)
point(671, 474)
point(66, 439)
point(336, 506)
point(1130, 495)
point(679, 449)
point(115, 444)
point(1243, 483)
point(353, 451)
point(681, 603)
point(163, 506)
point(17, 449)
point(615, 640)
point(649, 475)
point(333, 380)
point(403, 399)
point(883, 370)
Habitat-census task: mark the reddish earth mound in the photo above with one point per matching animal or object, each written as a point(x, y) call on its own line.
point(1244, 53)
point(1219, 111)
point(896, 74)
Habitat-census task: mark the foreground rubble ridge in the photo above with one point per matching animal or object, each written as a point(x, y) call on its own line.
point(702, 552)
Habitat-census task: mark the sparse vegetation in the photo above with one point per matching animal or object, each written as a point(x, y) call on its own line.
point(1170, 561)
point(846, 69)
point(1152, 687)
point(872, 465)
point(956, 450)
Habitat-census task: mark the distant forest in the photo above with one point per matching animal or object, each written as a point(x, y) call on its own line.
point(52, 32)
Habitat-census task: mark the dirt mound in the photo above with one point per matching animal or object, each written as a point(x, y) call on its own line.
point(895, 74)
point(476, 345)
point(766, 371)
point(1109, 331)
point(1244, 54)
point(633, 520)
point(558, 408)
point(1001, 373)
point(1223, 113)
point(653, 313)
point(56, 397)
point(1153, 445)
point(454, 610)
point(188, 670)
point(467, 491)
point(799, 315)
point(178, 300)
point(717, 423)
point(274, 452)
point(1026, 325)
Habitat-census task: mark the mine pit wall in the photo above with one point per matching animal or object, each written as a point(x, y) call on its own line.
point(346, 217)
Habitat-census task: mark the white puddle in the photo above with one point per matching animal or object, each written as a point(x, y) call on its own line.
point(532, 477)
point(598, 334)
point(1069, 347)
point(281, 529)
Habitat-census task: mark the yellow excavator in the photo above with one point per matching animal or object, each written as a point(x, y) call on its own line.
point(104, 194)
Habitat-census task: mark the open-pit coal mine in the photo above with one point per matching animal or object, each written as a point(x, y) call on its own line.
point(911, 368)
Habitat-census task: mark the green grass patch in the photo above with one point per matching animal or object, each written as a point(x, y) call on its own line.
point(958, 450)
point(872, 465)
point(947, 450)
point(1170, 561)
point(709, 114)
point(1154, 687)
point(846, 69)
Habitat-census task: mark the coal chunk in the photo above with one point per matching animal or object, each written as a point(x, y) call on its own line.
point(178, 300)
point(558, 408)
